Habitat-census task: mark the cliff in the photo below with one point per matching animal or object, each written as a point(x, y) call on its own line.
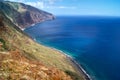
point(24, 15)
point(15, 64)
point(21, 57)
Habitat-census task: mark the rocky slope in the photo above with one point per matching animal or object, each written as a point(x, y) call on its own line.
point(24, 15)
point(16, 46)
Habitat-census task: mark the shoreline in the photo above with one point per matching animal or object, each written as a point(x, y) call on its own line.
point(75, 64)
point(87, 76)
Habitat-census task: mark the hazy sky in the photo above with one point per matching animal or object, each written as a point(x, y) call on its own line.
point(77, 7)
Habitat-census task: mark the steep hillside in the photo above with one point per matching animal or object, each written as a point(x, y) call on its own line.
point(14, 43)
point(14, 66)
point(17, 64)
point(24, 15)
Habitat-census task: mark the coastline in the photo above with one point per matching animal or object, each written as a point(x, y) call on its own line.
point(81, 70)
point(77, 66)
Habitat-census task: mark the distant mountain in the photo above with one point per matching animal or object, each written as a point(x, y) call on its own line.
point(24, 15)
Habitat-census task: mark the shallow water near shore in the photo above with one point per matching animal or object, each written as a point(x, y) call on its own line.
point(94, 42)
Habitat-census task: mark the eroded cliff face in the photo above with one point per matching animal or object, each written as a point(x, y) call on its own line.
point(24, 15)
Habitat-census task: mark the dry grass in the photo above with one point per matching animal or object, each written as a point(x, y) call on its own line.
point(14, 66)
point(34, 51)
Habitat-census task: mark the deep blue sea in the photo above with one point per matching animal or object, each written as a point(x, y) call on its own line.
point(94, 42)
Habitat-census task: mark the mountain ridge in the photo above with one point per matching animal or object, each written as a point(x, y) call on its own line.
point(24, 15)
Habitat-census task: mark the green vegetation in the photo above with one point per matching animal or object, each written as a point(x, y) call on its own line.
point(17, 7)
point(3, 43)
point(13, 38)
point(73, 75)
point(32, 50)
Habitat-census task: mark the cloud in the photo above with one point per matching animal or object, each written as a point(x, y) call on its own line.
point(36, 4)
point(51, 1)
point(45, 4)
point(61, 7)
point(16, 0)
point(67, 7)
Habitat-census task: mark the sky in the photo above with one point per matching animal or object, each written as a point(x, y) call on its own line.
point(77, 7)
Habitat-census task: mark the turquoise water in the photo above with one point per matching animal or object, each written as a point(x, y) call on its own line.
point(94, 42)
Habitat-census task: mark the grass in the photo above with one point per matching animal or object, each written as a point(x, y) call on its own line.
point(35, 51)
point(15, 39)
point(14, 66)
point(17, 7)
point(3, 44)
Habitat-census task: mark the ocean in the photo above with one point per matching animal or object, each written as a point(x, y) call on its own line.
point(93, 41)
